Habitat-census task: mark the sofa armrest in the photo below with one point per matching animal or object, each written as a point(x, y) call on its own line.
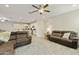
point(9, 43)
point(29, 37)
point(48, 35)
point(74, 39)
point(75, 43)
point(7, 48)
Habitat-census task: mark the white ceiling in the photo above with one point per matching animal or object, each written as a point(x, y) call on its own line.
point(19, 12)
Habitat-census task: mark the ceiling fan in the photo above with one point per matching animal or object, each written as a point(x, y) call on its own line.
point(40, 8)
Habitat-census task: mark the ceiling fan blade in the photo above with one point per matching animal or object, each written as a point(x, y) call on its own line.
point(33, 11)
point(40, 6)
point(46, 10)
point(45, 6)
point(35, 6)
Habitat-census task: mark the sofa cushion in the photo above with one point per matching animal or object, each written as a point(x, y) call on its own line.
point(65, 39)
point(60, 38)
point(57, 34)
point(12, 37)
point(21, 40)
point(21, 36)
point(55, 37)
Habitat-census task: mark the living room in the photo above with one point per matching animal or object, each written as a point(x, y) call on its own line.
point(22, 18)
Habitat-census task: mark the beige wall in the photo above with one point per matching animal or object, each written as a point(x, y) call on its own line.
point(40, 28)
point(11, 26)
point(6, 26)
point(68, 21)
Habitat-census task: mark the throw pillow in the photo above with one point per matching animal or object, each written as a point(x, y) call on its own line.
point(66, 35)
point(4, 36)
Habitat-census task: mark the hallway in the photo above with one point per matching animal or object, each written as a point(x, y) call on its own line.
point(41, 46)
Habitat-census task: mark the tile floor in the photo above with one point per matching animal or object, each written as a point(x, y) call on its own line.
point(41, 46)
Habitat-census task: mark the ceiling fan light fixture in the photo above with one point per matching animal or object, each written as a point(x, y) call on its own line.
point(7, 6)
point(41, 10)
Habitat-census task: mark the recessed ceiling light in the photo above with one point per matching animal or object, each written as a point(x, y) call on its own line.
point(74, 5)
point(7, 6)
point(2, 20)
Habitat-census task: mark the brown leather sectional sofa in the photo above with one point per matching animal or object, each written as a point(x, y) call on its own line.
point(21, 37)
point(17, 39)
point(57, 37)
